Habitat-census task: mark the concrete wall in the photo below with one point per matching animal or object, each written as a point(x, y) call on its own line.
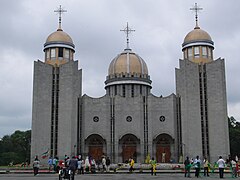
point(217, 110)
point(41, 108)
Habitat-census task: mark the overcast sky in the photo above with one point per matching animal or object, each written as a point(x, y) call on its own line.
point(94, 26)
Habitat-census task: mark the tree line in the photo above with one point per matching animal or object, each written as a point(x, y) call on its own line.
point(16, 148)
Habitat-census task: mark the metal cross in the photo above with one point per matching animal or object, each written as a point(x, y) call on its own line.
point(60, 11)
point(127, 30)
point(196, 8)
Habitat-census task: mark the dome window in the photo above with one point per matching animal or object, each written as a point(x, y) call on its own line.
point(196, 52)
point(53, 53)
point(204, 51)
point(67, 54)
point(48, 54)
point(210, 53)
point(190, 53)
point(60, 52)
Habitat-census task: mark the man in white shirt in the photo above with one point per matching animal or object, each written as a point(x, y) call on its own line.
point(197, 163)
point(221, 166)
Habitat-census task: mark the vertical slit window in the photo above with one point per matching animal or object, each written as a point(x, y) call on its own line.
point(210, 53)
point(47, 54)
point(204, 52)
point(132, 93)
point(115, 90)
point(124, 90)
point(60, 52)
point(53, 53)
point(196, 52)
point(67, 54)
point(190, 53)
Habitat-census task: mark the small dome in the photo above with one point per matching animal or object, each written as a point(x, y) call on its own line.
point(128, 62)
point(197, 36)
point(59, 36)
point(59, 39)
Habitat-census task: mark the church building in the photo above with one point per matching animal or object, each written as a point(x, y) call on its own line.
point(128, 121)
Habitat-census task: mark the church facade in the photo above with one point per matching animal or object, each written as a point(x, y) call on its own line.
point(129, 121)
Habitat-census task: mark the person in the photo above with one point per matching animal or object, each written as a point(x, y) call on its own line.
point(73, 164)
point(36, 165)
point(67, 160)
point(206, 167)
point(187, 165)
point(163, 157)
point(87, 164)
point(54, 164)
point(50, 163)
point(108, 162)
point(221, 166)
point(153, 166)
point(80, 165)
point(131, 161)
point(93, 165)
point(197, 163)
point(103, 163)
point(238, 168)
point(234, 170)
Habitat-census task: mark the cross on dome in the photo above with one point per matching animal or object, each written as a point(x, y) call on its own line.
point(127, 30)
point(196, 8)
point(60, 11)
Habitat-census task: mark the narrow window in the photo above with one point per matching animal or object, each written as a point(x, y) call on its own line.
point(66, 54)
point(196, 52)
point(210, 53)
point(190, 53)
point(48, 54)
point(185, 54)
point(53, 53)
point(204, 51)
point(124, 90)
point(60, 52)
point(115, 90)
point(132, 90)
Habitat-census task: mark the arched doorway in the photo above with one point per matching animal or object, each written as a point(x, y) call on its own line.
point(96, 145)
point(163, 148)
point(129, 144)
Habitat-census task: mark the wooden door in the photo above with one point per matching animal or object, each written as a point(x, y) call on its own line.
point(96, 152)
point(128, 152)
point(163, 153)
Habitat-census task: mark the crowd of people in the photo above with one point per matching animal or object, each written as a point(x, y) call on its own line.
point(220, 164)
point(77, 164)
point(87, 165)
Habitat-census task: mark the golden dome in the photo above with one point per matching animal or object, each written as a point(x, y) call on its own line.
point(197, 34)
point(197, 37)
point(127, 63)
point(59, 39)
point(59, 36)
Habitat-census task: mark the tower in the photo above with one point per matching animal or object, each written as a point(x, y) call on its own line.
point(57, 89)
point(128, 83)
point(201, 88)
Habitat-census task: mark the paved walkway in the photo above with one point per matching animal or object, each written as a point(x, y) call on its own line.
point(138, 176)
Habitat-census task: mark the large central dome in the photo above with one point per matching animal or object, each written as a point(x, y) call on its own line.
point(128, 68)
point(128, 62)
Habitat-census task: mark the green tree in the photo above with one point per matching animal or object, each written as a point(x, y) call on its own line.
point(234, 136)
point(15, 148)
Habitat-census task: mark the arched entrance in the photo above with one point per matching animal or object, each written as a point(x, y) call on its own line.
point(129, 144)
point(163, 148)
point(96, 145)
